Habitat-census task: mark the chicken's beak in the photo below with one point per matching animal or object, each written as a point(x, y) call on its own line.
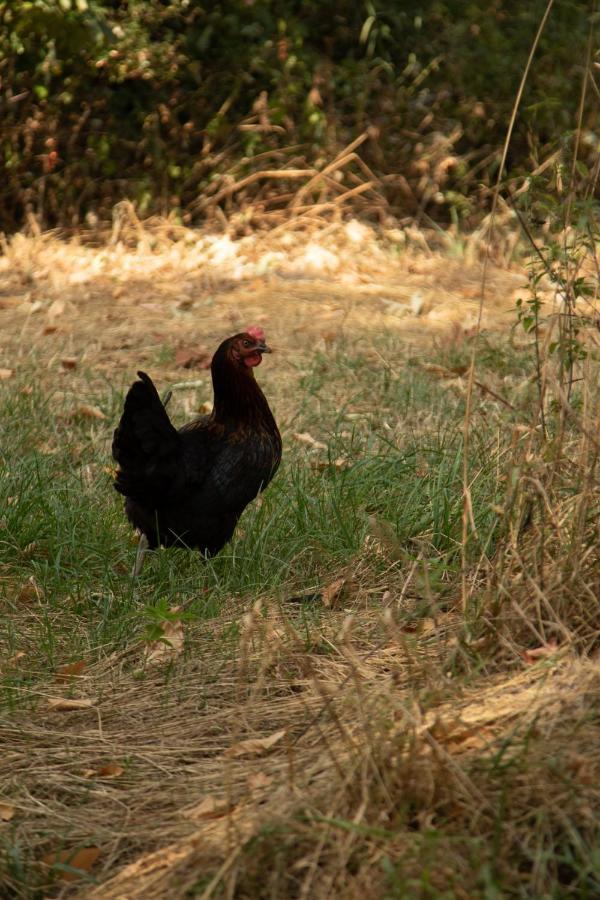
point(262, 348)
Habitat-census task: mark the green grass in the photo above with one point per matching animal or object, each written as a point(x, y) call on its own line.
point(395, 503)
point(63, 524)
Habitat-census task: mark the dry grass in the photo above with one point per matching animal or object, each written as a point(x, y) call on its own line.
point(109, 306)
point(379, 744)
point(451, 756)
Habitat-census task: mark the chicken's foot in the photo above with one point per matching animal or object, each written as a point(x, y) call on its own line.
point(142, 549)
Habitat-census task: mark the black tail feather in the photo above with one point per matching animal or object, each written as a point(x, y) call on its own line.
point(145, 445)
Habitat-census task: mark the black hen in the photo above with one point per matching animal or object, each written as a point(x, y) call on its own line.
point(190, 487)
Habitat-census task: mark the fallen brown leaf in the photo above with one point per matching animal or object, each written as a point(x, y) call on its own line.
point(320, 464)
point(82, 859)
point(66, 672)
point(440, 371)
point(426, 626)
point(543, 652)
point(193, 359)
point(69, 363)
point(305, 438)
point(331, 593)
point(275, 635)
point(385, 535)
point(457, 734)
point(254, 746)
point(168, 646)
point(6, 373)
point(86, 411)
point(30, 591)
point(68, 703)
point(582, 768)
point(56, 309)
point(6, 812)
point(208, 808)
point(15, 659)
point(444, 729)
point(258, 780)
point(110, 770)
point(443, 372)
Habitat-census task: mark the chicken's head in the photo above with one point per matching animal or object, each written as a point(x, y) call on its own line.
point(246, 349)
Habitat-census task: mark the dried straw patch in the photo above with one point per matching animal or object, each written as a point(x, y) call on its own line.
point(110, 306)
point(353, 730)
point(543, 587)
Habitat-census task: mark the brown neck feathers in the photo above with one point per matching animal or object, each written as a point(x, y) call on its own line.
point(238, 400)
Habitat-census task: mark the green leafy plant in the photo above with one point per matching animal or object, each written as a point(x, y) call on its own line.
point(166, 102)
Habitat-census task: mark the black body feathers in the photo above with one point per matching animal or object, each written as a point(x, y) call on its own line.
point(189, 487)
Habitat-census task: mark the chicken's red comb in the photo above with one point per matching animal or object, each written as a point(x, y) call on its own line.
point(256, 332)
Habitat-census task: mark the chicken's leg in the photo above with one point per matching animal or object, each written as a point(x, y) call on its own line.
point(142, 549)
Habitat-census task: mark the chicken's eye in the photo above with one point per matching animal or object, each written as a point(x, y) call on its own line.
point(246, 343)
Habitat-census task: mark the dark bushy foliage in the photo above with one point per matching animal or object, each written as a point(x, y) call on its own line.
point(153, 99)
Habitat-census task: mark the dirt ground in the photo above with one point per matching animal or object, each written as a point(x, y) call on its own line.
point(114, 308)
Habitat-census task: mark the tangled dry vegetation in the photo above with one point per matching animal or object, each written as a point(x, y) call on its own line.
point(393, 746)
point(287, 771)
point(292, 772)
